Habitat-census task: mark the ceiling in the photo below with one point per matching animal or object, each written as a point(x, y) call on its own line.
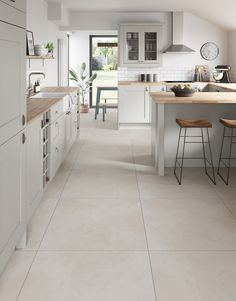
point(221, 13)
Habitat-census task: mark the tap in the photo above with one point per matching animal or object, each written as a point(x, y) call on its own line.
point(35, 73)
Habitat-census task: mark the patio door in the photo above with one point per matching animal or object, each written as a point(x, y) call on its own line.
point(104, 62)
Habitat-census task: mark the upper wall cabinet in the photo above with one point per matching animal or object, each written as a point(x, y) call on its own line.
point(139, 45)
point(18, 4)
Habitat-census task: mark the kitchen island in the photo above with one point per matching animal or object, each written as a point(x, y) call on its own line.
point(202, 105)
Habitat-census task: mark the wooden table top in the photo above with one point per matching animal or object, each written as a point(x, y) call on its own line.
point(197, 98)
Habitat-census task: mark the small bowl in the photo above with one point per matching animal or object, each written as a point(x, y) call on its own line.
point(183, 92)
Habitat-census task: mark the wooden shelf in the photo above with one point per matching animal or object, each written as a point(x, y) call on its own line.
point(36, 57)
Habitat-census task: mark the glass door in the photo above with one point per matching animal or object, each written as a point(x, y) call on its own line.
point(104, 62)
point(150, 46)
point(132, 46)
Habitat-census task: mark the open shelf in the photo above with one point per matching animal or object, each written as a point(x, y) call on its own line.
point(39, 57)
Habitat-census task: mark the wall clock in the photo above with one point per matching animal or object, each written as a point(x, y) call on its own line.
point(209, 51)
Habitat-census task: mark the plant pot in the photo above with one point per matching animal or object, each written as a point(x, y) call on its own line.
point(84, 108)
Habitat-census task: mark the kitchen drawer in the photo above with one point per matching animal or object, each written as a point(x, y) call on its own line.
point(56, 111)
point(18, 4)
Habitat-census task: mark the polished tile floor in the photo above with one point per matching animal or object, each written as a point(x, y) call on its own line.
point(109, 229)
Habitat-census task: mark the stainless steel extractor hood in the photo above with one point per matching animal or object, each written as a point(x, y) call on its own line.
point(177, 46)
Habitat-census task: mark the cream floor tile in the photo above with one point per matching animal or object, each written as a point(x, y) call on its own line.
point(108, 181)
point(189, 224)
point(39, 222)
point(89, 276)
point(96, 224)
point(14, 275)
point(195, 183)
point(195, 276)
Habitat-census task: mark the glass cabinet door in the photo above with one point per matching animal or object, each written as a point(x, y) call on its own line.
point(150, 46)
point(132, 46)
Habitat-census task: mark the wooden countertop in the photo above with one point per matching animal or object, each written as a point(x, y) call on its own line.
point(38, 106)
point(59, 89)
point(138, 83)
point(197, 98)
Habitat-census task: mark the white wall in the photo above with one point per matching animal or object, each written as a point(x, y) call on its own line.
point(44, 31)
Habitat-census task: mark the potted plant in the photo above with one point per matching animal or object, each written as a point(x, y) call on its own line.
point(84, 83)
point(50, 47)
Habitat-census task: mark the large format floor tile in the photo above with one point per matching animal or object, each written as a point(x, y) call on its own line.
point(96, 224)
point(15, 274)
point(89, 276)
point(39, 222)
point(102, 181)
point(195, 276)
point(189, 224)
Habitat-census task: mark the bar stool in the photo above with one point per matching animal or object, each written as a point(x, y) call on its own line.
point(231, 125)
point(193, 124)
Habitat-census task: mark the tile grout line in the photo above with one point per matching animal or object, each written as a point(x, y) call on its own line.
point(143, 219)
point(59, 198)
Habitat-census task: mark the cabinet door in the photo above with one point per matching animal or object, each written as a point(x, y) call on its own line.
point(133, 105)
point(18, 4)
point(12, 81)
point(150, 45)
point(34, 163)
point(132, 43)
point(12, 195)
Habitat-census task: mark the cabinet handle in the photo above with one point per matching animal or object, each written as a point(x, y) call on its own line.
point(57, 150)
point(56, 112)
point(23, 138)
point(23, 119)
point(12, 1)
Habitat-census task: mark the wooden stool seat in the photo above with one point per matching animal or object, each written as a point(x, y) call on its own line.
point(193, 123)
point(228, 123)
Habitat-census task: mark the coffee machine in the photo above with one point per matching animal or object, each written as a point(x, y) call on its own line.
point(221, 75)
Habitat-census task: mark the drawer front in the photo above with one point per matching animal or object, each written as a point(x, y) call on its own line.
point(56, 111)
point(18, 4)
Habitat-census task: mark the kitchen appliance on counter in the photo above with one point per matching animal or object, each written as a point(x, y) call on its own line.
point(221, 75)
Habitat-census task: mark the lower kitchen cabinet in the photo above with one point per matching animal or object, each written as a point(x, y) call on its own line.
point(12, 194)
point(58, 143)
point(34, 164)
point(134, 104)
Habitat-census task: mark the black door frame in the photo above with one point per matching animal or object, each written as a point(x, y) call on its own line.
point(90, 59)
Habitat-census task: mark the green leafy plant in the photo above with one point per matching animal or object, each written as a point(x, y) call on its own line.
point(50, 47)
point(82, 80)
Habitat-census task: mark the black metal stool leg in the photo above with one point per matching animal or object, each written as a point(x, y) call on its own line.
point(179, 179)
point(204, 151)
point(213, 178)
point(177, 153)
point(226, 180)
point(221, 151)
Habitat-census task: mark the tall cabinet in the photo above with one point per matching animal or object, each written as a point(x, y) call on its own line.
point(12, 126)
point(140, 45)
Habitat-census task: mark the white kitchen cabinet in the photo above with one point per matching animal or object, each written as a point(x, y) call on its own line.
point(140, 45)
point(58, 143)
point(34, 164)
point(18, 4)
point(12, 195)
point(12, 81)
point(134, 104)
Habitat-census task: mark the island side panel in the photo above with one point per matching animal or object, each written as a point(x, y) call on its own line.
point(212, 112)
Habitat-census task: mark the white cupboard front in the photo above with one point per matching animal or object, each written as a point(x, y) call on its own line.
point(34, 164)
point(134, 104)
point(12, 194)
point(140, 45)
point(18, 4)
point(12, 81)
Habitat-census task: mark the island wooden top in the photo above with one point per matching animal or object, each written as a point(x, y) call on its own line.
point(38, 106)
point(197, 98)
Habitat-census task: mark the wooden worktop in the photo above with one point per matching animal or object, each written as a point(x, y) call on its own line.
point(38, 106)
point(197, 98)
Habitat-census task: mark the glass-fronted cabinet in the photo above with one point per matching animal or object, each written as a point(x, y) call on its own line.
point(140, 45)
